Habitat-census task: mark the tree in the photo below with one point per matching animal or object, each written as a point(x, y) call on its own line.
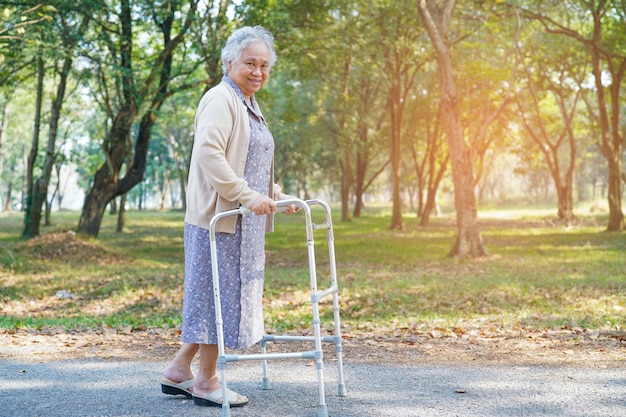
point(4, 118)
point(598, 26)
point(71, 30)
point(400, 62)
point(34, 149)
point(437, 20)
point(339, 81)
point(553, 83)
point(429, 154)
point(16, 41)
point(151, 91)
point(176, 130)
point(18, 126)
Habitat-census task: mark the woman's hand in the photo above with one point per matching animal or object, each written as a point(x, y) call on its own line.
point(292, 208)
point(263, 205)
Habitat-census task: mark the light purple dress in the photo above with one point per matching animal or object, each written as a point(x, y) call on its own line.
point(241, 258)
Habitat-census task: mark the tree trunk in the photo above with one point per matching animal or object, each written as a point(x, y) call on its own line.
point(434, 179)
point(121, 215)
point(429, 171)
point(8, 195)
point(182, 172)
point(345, 146)
point(31, 222)
point(469, 241)
point(395, 113)
point(183, 189)
point(4, 120)
point(47, 211)
point(165, 189)
point(142, 195)
point(48, 204)
point(40, 190)
point(59, 190)
point(113, 207)
point(346, 184)
point(361, 167)
point(616, 216)
point(565, 204)
point(566, 209)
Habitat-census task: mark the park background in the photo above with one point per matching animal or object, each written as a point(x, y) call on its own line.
point(489, 131)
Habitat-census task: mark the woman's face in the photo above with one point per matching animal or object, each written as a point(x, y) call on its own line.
point(252, 70)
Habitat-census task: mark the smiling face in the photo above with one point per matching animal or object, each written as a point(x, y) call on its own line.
point(252, 70)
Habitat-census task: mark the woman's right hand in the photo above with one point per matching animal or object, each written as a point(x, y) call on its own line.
point(263, 205)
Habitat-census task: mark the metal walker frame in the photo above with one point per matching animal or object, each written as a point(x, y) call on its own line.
point(316, 296)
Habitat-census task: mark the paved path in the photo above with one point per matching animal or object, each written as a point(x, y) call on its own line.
point(97, 387)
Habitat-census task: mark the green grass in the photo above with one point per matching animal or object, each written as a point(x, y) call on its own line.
point(539, 274)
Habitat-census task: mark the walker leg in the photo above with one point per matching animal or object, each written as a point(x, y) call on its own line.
point(265, 383)
point(322, 411)
point(342, 392)
point(221, 364)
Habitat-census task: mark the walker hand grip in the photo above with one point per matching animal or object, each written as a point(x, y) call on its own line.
point(244, 210)
point(281, 206)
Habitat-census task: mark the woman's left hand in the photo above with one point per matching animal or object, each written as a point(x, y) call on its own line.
point(291, 209)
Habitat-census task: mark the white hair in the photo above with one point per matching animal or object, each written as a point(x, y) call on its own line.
point(240, 39)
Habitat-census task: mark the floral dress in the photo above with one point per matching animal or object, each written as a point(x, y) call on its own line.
point(241, 258)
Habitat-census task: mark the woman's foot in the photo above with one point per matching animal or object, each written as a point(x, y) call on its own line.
point(209, 393)
point(178, 374)
point(177, 388)
point(215, 398)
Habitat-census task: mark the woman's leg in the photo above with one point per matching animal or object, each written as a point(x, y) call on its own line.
point(179, 369)
point(206, 381)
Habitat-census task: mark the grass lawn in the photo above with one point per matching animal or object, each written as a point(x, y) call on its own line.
point(539, 274)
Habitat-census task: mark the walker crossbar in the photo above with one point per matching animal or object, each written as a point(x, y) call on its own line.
point(316, 296)
point(275, 338)
point(321, 226)
point(258, 357)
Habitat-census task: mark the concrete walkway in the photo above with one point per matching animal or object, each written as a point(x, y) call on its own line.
point(97, 387)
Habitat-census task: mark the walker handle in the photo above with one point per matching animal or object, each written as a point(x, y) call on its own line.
point(281, 206)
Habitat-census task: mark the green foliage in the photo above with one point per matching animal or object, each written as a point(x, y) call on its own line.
point(340, 64)
point(539, 274)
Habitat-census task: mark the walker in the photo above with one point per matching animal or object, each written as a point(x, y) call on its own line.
point(316, 296)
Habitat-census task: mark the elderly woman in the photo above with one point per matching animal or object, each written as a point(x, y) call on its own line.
point(231, 165)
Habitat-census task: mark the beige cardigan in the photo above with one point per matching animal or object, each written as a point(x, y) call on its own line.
point(218, 159)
